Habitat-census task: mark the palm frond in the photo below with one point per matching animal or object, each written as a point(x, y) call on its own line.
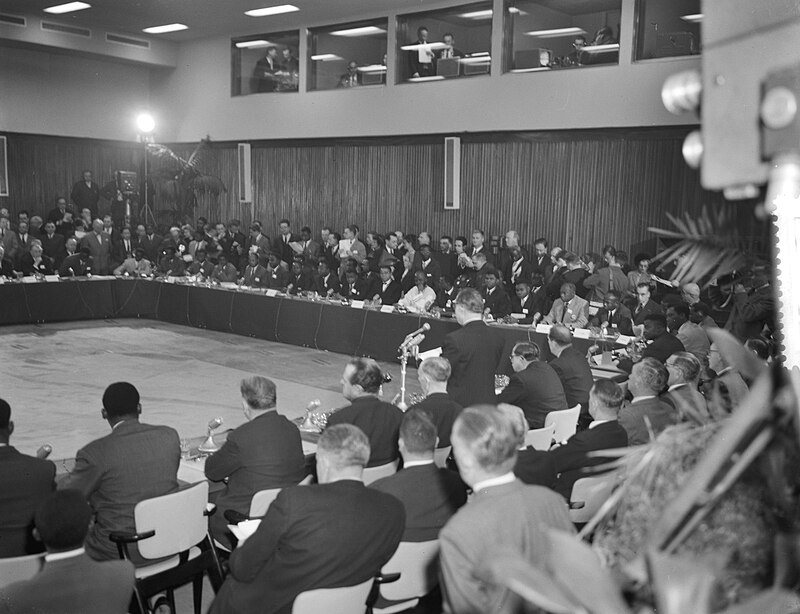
point(707, 247)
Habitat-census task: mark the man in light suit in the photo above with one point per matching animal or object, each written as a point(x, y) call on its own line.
point(18, 243)
point(570, 310)
point(134, 462)
point(336, 533)
point(474, 351)
point(255, 275)
point(265, 452)
point(70, 581)
point(258, 243)
point(99, 244)
point(504, 514)
point(25, 482)
point(534, 387)
point(430, 495)
point(647, 415)
point(683, 394)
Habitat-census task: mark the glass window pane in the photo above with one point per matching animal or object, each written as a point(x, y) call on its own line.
point(445, 44)
point(556, 34)
point(667, 28)
point(347, 55)
point(265, 63)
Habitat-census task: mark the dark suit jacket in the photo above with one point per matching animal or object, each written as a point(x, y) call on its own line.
point(118, 252)
point(571, 459)
point(321, 536)
point(79, 267)
point(447, 263)
point(286, 252)
point(255, 277)
point(45, 266)
point(660, 415)
point(322, 286)
point(301, 282)
point(25, 482)
point(535, 467)
point(543, 267)
point(75, 585)
point(537, 390)
point(358, 292)
point(54, 248)
point(663, 347)
point(444, 412)
point(575, 374)
point(151, 247)
point(100, 251)
point(444, 299)
point(474, 352)
point(650, 307)
point(263, 453)
point(391, 295)
point(379, 420)
point(498, 303)
point(525, 270)
point(621, 319)
point(85, 196)
point(430, 496)
point(433, 271)
point(134, 462)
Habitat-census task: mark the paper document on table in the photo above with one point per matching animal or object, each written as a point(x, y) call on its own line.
point(297, 247)
point(244, 529)
point(434, 353)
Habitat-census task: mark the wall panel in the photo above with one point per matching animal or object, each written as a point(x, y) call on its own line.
point(581, 189)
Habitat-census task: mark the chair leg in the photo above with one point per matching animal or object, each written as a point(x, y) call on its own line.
point(197, 593)
point(171, 600)
point(138, 604)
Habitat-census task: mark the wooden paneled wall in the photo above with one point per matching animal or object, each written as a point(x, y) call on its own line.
point(580, 189)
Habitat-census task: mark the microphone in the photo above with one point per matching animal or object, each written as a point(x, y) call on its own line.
point(209, 445)
point(422, 329)
point(44, 451)
point(413, 341)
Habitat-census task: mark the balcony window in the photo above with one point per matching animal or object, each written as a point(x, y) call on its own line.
point(667, 28)
point(445, 44)
point(556, 34)
point(347, 55)
point(265, 63)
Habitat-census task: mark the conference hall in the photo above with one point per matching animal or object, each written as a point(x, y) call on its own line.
point(429, 306)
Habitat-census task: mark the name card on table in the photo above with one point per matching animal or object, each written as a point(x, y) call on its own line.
point(357, 304)
point(543, 328)
point(52, 278)
point(272, 292)
point(387, 309)
point(29, 279)
point(229, 285)
point(581, 333)
point(624, 339)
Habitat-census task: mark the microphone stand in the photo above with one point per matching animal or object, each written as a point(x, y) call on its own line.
point(403, 367)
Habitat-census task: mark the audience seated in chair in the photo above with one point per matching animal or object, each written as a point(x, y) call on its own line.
point(572, 369)
point(534, 387)
point(361, 385)
point(433, 374)
point(503, 515)
point(25, 482)
point(265, 452)
point(133, 462)
point(336, 533)
point(684, 375)
point(70, 581)
point(646, 415)
point(430, 495)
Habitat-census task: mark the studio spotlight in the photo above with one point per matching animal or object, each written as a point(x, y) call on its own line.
point(145, 123)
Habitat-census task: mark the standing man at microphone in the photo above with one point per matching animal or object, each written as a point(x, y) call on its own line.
point(474, 351)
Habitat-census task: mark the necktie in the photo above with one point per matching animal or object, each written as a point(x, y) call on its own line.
point(564, 313)
point(610, 279)
point(515, 270)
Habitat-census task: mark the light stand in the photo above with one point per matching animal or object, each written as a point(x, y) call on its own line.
point(146, 124)
point(146, 212)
